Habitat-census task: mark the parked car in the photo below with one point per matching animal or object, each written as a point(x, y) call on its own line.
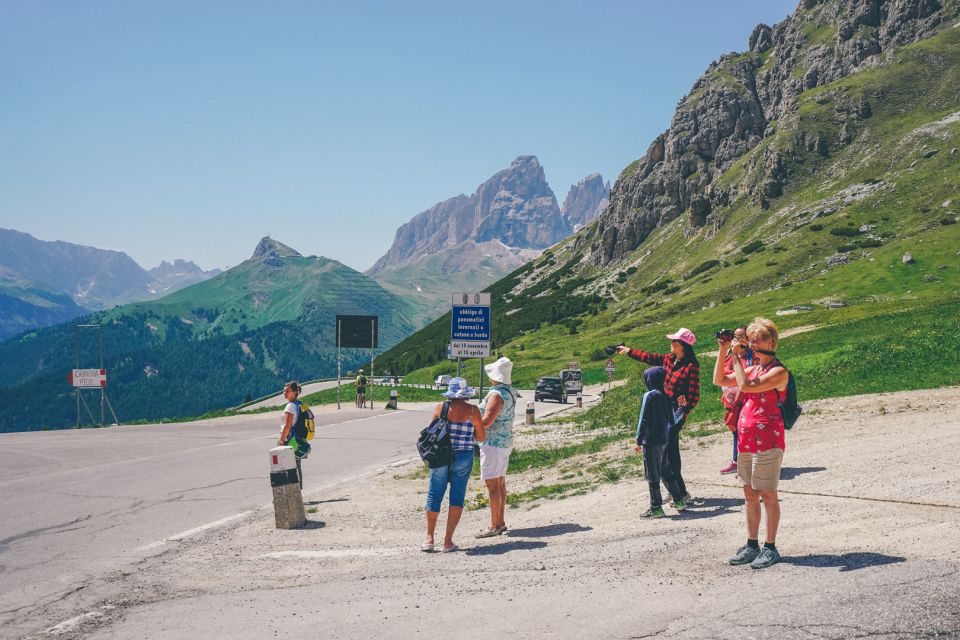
point(550, 388)
point(443, 381)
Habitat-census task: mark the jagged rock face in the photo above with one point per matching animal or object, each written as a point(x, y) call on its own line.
point(516, 206)
point(729, 110)
point(585, 200)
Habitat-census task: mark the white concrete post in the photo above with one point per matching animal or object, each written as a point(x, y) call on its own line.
point(287, 499)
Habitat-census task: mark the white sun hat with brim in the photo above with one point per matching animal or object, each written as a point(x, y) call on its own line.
point(500, 370)
point(457, 389)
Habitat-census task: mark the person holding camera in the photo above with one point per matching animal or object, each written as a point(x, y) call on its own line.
point(730, 397)
point(761, 431)
point(681, 385)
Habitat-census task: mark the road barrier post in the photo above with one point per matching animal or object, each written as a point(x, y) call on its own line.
point(287, 499)
point(579, 401)
point(393, 399)
point(531, 418)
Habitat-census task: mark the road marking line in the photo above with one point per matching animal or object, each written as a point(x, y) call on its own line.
point(329, 553)
point(192, 532)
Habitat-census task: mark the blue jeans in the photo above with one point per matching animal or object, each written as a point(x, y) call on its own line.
point(456, 474)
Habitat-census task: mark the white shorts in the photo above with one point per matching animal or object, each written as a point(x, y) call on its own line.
point(493, 462)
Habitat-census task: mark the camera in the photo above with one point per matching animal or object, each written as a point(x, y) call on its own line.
point(612, 348)
point(724, 334)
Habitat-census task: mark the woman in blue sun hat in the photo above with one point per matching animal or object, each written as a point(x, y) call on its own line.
point(465, 425)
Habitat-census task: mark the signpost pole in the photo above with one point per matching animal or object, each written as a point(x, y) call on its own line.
point(481, 377)
point(339, 361)
point(77, 332)
point(373, 358)
point(102, 391)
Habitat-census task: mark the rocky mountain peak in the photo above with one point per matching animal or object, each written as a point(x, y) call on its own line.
point(585, 200)
point(268, 248)
point(739, 102)
point(515, 206)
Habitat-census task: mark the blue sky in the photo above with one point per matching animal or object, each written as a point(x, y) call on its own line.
point(184, 129)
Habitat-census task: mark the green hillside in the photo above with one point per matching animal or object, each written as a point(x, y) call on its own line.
point(240, 334)
point(832, 242)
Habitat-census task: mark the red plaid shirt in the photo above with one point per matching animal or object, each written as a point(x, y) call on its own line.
point(681, 381)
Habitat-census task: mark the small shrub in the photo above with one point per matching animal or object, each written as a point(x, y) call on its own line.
point(631, 271)
point(948, 220)
point(868, 243)
point(845, 232)
point(739, 261)
point(779, 249)
point(845, 248)
point(752, 247)
point(772, 263)
point(700, 268)
point(816, 227)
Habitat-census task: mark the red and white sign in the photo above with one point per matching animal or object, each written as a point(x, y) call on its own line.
point(88, 378)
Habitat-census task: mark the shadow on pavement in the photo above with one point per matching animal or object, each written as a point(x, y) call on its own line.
point(314, 524)
point(789, 473)
point(547, 531)
point(506, 547)
point(846, 561)
point(316, 502)
point(709, 508)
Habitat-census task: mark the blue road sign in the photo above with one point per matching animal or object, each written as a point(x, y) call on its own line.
point(470, 324)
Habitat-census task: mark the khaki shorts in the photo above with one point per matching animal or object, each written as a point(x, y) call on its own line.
point(760, 471)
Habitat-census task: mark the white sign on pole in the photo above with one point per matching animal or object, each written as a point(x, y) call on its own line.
point(461, 349)
point(470, 300)
point(88, 378)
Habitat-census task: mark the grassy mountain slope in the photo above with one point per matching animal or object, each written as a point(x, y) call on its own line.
point(243, 332)
point(27, 305)
point(429, 281)
point(835, 236)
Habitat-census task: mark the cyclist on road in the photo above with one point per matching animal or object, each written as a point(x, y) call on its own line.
point(361, 389)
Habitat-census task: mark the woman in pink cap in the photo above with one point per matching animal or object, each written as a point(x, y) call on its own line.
point(682, 386)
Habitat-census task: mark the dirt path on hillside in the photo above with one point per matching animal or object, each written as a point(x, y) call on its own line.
point(871, 518)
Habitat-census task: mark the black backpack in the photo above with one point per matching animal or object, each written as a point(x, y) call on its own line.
point(789, 408)
point(434, 443)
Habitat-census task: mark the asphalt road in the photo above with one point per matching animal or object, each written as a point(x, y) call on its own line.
point(77, 504)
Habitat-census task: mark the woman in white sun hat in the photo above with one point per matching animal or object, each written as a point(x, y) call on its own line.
point(498, 410)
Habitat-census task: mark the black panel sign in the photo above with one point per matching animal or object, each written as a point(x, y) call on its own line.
point(357, 332)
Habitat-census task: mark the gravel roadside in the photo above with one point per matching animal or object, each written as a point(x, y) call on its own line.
point(871, 516)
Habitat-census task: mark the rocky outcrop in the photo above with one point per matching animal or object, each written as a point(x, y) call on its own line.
point(269, 248)
point(181, 273)
point(729, 111)
point(585, 200)
point(516, 207)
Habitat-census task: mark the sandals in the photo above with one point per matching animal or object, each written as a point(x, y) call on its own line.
point(427, 547)
point(450, 549)
point(489, 533)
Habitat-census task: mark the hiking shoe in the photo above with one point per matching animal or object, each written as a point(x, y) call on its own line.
point(767, 557)
point(680, 505)
point(654, 512)
point(745, 555)
point(730, 468)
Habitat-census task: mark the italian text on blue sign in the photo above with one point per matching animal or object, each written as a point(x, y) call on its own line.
point(470, 323)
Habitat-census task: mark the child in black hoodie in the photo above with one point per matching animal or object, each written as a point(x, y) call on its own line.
point(653, 433)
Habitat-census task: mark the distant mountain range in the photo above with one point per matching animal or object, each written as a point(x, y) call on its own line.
point(243, 332)
point(43, 283)
point(468, 242)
